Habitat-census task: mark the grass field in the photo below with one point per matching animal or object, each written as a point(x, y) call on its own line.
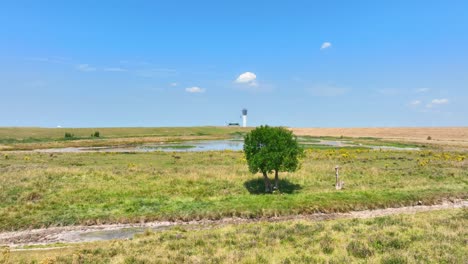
point(61, 189)
point(439, 136)
point(24, 138)
point(39, 189)
point(28, 138)
point(431, 237)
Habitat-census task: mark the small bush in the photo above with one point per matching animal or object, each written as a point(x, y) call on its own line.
point(394, 260)
point(339, 227)
point(69, 135)
point(32, 197)
point(326, 244)
point(359, 249)
point(96, 134)
point(429, 137)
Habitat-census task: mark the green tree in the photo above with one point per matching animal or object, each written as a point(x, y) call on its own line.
point(271, 149)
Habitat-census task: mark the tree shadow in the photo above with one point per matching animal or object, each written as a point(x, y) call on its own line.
point(257, 186)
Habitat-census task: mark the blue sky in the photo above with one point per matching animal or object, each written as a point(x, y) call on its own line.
point(190, 63)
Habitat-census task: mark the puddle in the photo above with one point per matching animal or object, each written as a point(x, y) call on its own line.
point(111, 234)
point(205, 145)
point(123, 233)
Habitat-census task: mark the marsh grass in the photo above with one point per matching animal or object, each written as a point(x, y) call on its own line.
point(36, 138)
point(431, 237)
point(38, 189)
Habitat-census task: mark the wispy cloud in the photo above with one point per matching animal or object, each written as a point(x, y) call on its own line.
point(422, 90)
point(85, 68)
point(389, 91)
point(327, 90)
point(115, 69)
point(437, 102)
point(248, 78)
point(325, 45)
point(36, 84)
point(59, 60)
point(155, 72)
point(194, 89)
point(415, 103)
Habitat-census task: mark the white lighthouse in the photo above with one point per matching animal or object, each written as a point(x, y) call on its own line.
point(244, 117)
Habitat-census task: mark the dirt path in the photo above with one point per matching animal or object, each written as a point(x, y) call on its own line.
point(74, 234)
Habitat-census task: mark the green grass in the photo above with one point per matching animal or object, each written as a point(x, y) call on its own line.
point(22, 133)
point(430, 237)
point(322, 146)
point(26, 138)
point(38, 189)
point(364, 141)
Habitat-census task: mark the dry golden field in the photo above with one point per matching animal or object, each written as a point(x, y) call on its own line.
point(451, 136)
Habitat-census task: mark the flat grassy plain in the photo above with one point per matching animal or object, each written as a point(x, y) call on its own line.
point(87, 188)
point(430, 237)
point(40, 190)
point(28, 138)
point(455, 137)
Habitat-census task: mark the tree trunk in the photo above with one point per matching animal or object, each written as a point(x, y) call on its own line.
point(267, 182)
point(276, 180)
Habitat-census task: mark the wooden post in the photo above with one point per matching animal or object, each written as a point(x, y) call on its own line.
point(338, 184)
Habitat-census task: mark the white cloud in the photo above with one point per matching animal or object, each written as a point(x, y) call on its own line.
point(422, 90)
point(325, 45)
point(437, 102)
point(440, 101)
point(85, 68)
point(195, 89)
point(247, 78)
point(116, 69)
point(415, 102)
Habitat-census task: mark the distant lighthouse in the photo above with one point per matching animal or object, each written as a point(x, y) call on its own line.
point(244, 117)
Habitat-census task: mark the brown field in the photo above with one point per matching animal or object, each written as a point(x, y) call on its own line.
point(451, 136)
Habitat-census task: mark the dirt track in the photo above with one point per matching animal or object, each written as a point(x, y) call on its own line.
point(439, 135)
point(73, 234)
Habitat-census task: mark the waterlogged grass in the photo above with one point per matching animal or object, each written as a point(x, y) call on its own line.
point(360, 141)
point(177, 147)
point(34, 138)
point(322, 146)
point(38, 189)
point(20, 133)
point(431, 237)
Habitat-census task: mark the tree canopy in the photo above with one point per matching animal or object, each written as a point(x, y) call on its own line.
point(271, 149)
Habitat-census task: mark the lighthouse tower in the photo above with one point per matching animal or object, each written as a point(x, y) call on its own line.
point(244, 117)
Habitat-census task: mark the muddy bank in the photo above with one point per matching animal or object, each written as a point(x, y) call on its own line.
point(75, 234)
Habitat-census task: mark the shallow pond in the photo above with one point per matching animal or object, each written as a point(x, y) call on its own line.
point(207, 145)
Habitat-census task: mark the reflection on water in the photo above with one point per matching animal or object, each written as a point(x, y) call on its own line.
point(205, 145)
